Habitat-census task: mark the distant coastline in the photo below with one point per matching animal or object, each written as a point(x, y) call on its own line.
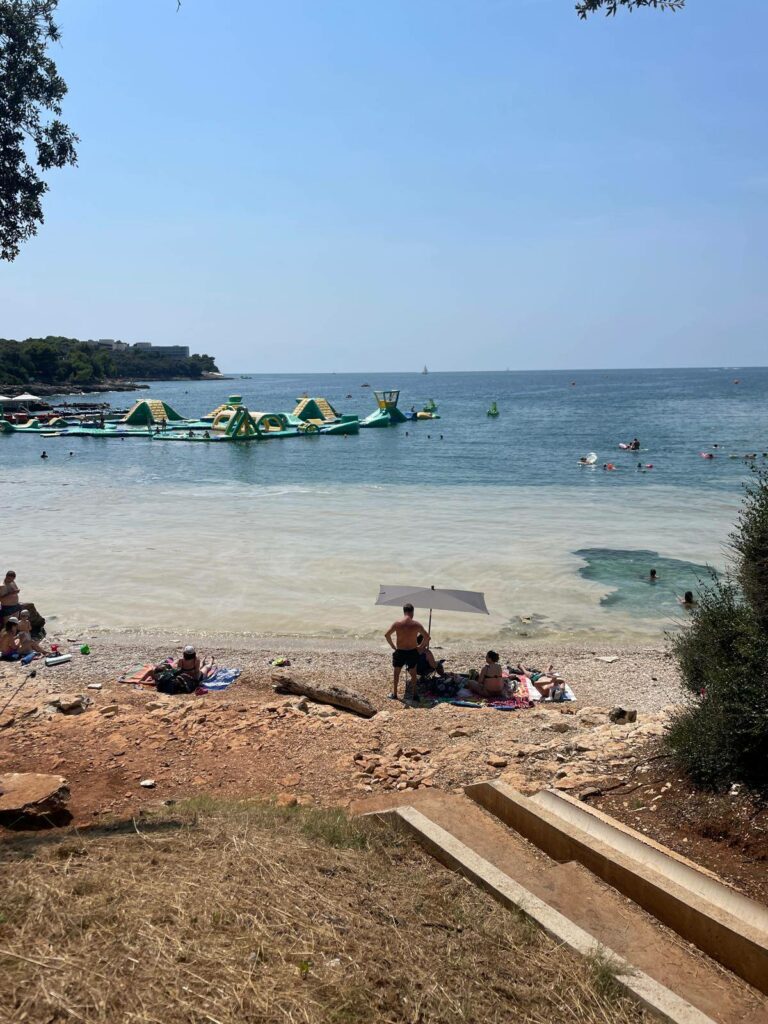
point(66, 366)
point(100, 387)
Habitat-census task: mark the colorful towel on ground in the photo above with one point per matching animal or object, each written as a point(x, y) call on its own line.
point(444, 691)
point(221, 678)
point(535, 696)
point(134, 675)
point(467, 699)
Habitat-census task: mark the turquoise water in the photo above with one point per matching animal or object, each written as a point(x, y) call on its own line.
point(295, 535)
point(545, 425)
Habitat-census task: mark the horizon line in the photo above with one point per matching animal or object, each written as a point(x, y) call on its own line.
point(419, 373)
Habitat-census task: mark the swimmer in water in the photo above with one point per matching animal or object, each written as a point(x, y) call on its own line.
point(44, 455)
point(652, 577)
point(634, 445)
point(687, 601)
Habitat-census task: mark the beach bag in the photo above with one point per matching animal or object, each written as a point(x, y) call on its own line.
point(169, 680)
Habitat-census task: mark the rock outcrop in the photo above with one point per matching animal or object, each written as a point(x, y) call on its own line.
point(27, 794)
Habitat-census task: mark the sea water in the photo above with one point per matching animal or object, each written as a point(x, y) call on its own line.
point(295, 535)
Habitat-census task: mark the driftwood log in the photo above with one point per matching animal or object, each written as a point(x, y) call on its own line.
point(338, 696)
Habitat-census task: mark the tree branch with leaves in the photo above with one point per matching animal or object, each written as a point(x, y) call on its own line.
point(33, 138)
point(609, 7)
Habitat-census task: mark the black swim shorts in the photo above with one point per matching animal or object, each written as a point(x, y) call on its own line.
point(405, 659)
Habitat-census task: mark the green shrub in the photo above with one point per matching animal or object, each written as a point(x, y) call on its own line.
point(721, 736)
point(750, 542)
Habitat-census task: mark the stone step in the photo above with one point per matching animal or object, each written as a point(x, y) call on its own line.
point(721, 922)
point(667, 862)
point(664, 973)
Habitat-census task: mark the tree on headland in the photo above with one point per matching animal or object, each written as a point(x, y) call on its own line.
point(721, 736)
point(56, 360)
point(33, 139)
point(609, 7)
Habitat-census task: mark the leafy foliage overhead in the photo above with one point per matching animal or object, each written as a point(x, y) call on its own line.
point(609, 7)
point(33, 139)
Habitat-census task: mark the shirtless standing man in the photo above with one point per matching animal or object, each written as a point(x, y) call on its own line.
point(406, 650)
point(9, 596)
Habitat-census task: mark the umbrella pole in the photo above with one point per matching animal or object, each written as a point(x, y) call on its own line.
point(429, 627)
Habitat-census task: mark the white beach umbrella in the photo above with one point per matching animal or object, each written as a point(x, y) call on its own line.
point(434, 598)
point(5, 398)
point(26, 397)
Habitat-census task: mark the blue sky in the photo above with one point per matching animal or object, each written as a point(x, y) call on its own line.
point(374, 184)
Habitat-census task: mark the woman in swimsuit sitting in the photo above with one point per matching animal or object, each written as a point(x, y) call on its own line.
point(189, 664)
point(490, 684)
point(191, 668)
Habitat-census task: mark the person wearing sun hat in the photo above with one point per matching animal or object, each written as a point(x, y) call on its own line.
point(9, 639)
point(189, 664)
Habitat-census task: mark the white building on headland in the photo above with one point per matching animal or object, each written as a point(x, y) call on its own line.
point(180, 351)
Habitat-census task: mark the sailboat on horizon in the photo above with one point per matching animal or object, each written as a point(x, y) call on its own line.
point(425, 370)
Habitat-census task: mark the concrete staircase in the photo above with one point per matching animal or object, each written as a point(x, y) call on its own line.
point(595, 886)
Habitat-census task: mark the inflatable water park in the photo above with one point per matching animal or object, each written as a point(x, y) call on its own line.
point(231, 422)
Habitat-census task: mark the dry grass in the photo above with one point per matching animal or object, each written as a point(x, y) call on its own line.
point(250, 913)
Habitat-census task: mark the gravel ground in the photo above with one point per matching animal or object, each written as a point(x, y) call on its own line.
point(247, 740)
point(643, 677)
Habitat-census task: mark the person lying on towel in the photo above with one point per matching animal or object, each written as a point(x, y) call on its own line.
point(549, 683)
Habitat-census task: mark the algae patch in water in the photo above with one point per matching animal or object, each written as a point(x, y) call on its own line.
point(627, 573)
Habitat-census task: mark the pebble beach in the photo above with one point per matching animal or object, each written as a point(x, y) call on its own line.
point(641, 677)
